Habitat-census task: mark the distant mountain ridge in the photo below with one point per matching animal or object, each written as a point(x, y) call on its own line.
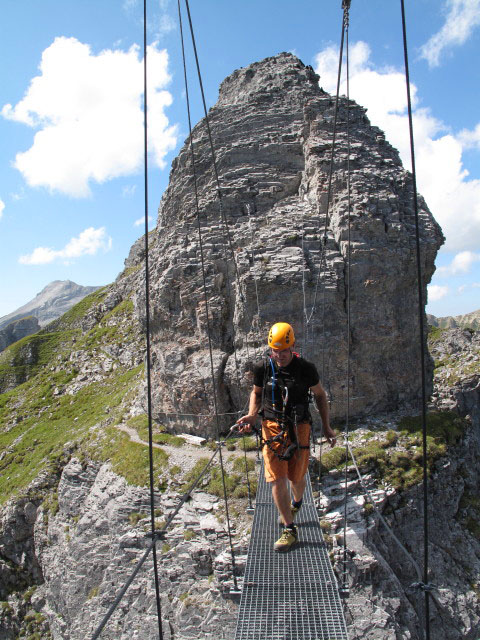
point(51, 303)
point(468, 321)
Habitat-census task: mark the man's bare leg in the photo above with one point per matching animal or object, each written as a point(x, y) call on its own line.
point(281, 497)
point(298, 489)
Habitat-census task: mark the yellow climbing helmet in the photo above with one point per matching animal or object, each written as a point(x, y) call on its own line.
point(281, 336)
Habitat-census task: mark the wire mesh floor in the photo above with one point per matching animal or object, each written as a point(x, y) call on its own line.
point(292, 595)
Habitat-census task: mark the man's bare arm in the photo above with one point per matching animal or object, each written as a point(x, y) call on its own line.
point(321, 402)
point(254, 406)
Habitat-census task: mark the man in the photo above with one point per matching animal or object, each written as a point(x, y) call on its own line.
point(280, 393)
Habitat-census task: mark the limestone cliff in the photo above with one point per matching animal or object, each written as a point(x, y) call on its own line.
point(272, 129)
point(17, 330)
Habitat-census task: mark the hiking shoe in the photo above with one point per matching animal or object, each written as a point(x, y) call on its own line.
point(295, 510)
point(288, 538)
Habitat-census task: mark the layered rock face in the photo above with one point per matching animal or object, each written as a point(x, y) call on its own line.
point(17, 330)
point(272, 129)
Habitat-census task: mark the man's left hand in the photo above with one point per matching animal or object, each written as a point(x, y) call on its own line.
point(330, 435)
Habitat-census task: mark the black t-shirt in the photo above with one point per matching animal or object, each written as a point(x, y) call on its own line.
point(290, 384)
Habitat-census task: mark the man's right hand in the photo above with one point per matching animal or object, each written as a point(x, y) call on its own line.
point(245, 423)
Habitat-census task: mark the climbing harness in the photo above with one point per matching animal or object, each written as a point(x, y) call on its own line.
point(286, 443)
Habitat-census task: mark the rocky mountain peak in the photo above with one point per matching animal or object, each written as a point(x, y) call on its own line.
point(50, 303)
point(280, 73)
point(272, 129)
point(468, 320)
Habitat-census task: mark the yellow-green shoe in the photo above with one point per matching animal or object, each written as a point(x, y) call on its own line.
point(288, 538)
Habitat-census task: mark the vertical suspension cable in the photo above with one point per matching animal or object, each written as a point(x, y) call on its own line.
point(212, 148)
point(147, 313)
point(219, 190)
point(421, 329)
point(249, 490)
point(323, 260)
point(339, 74)
point(252, 253)
point(227, 233)
point(207, 311)
point(347, 408)
point(329, 190)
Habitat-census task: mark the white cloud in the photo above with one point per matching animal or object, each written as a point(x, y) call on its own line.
point(470, 139)
point(453, 198)
point(141, 221)
point(462, 16)
point(129, 5)
point(129, 190)
point(165, 24)
point(2, 207)
point(462, 288)
point(436, 292)
point(89, 242)
point(89, 115)
point(20, 195)
point(461, 263)
point(476, 285)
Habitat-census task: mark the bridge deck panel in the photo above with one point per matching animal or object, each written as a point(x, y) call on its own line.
point(292, 595)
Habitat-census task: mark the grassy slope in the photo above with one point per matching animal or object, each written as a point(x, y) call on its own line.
point(396, 456)
point(38, 417)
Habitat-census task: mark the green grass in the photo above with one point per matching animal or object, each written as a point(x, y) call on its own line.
point(28, 356)
point(191, 475)
point(334, 458)
point(397, 459)
point(435, 333)
point(109, 330)
point(445, 427)
point(73, 317)
point(235, 484)
point(238, 464)
point(249, 443)
point(140, 424)
point(189, 534)
point(128, 459)
point(48, 422)
point(36, 420)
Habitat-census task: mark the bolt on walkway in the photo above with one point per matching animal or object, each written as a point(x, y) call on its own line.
point(291, 595)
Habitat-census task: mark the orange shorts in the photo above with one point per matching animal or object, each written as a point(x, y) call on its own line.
point(293, 469)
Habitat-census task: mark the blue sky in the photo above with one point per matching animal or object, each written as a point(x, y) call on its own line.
point(71, 159)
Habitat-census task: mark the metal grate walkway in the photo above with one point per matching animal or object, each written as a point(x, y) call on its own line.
point(293, 595)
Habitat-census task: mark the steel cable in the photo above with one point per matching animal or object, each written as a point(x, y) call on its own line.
point(421, 328)
point(204, 278)
point(389, 529)
point(323, 258)
point(158, 534)
point(147, 329)
point(347, 284)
